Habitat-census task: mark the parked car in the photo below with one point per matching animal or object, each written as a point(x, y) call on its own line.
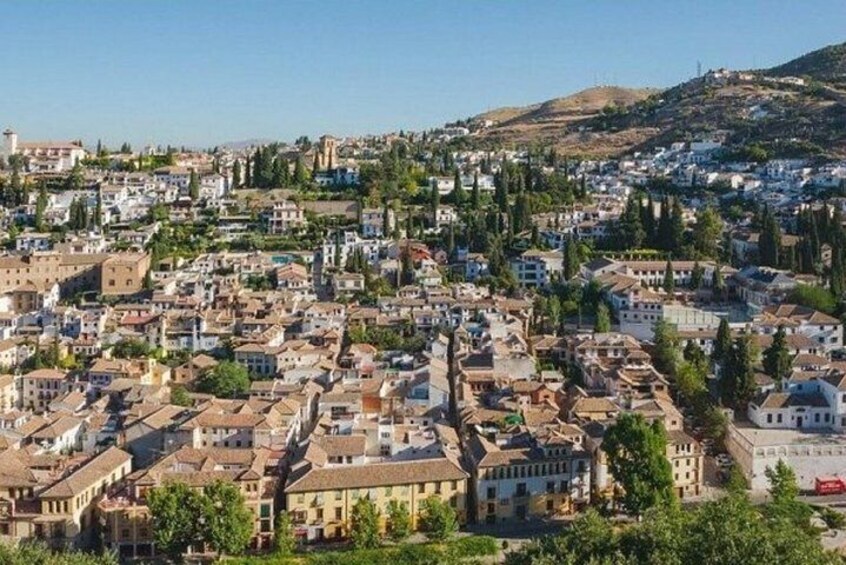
point(724, 460)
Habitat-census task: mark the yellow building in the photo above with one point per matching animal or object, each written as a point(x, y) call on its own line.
point(320, 496)
point(67, 507)
point(124, 516)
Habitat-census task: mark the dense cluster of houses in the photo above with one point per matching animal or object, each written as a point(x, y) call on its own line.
point(501, 429)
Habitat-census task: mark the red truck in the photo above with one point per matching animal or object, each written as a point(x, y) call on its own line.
point(829, 485)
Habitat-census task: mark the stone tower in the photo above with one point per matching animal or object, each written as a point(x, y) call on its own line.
point(328, 152)
point(10, 143)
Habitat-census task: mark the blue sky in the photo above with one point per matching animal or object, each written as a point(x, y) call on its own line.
point(205, 72)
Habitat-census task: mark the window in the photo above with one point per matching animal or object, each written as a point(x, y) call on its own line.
point(550, 487)
point(491, 493)
point(338, 495)
point(421, 488)
point(521, 489)
point(769, 418)
point(338, 512)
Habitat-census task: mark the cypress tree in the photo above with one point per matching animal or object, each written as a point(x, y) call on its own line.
point(41, 206)
point(676, 226)
point(722, 343)
point(664, 233)
point(194, 186)
point(248, 179)
point(571, 258)
point(458, 196)
point(777, 357)
point(300, 174)
point(769, 243)
point(434, 201)
point(236, 174)
point(476, 197)
point(669, 279)
point(258, 167)
point(315, 166)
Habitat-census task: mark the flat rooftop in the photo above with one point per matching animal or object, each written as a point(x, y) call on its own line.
point(760, 437)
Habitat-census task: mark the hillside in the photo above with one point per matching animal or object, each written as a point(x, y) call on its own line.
point(826, 65)
point(742, 108)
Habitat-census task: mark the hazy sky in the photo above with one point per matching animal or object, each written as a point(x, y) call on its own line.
point(205, 72)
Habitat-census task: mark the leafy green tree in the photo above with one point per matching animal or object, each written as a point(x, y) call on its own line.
point(364, 524)
point(399, 521)
point(227, 522)
point(227, 379)
point(603, 319)
point(637, 459)
point(437, 519)
point(783, 487)
point(777, 361)
point(131, 349)
point(31, 552)
point(179, 396)
point(284, 539)
point(816, 297)
point(666, 341)
point(301, 176)
point(175, 509)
